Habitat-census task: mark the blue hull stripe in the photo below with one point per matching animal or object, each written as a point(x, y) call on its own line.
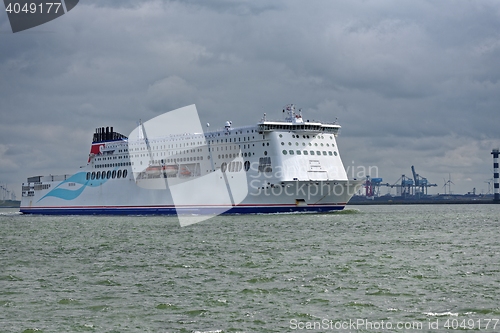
point(171, 210)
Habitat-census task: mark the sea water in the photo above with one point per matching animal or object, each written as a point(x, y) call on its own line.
point(415, 268)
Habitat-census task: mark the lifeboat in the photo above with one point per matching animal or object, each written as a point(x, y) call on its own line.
point(185, 171)
point(170, 169)
point(153, 170)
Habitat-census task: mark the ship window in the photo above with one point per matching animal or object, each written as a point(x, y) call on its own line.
point(316, 144)
point(289, 143)
point(103, 175)
point(281, 135)
point(93, 175)
point(328, 145)
point(291, 152)
point(113, 174)
point(108, 174)
point(284, 152)
point(318, 152)
point(305, 152)
point(303, 143)
point(119, 174)
point(88, 176)
point(124, 173)
point(330, 153)
point(223, 167)
point(335, 153)
point(98, 175)
point(299, 152)
point(247, 165)
point(282, 143)
point(312, 152)
point(324, 152)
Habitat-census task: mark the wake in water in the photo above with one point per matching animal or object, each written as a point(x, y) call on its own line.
point(11, 213)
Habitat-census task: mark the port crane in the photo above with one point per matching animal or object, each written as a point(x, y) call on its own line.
point(421, 183)
point(407, 186)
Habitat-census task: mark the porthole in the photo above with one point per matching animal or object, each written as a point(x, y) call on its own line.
point(316, 144)
point(223, 167)
point(284, 152)
point(265, 153)
point(318, 152)
point(289, 143)
point(305, 152)
point(108, 174)
point(103, 175)
point(291, 152)
point(124, 173)
point(282, 143)
point(312, 152)
point(281, 135)
point(247, 165)
point(335, 153)
point(113, 174)
point(97, 175)
point(330, 153)
point(119, 174)
point(299, 152)
point(324, 152)
point(303, 143)
point(296, 143)
point(93, 175)
point(88, 176)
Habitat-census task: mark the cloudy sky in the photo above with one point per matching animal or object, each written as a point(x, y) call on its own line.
point(411, 82)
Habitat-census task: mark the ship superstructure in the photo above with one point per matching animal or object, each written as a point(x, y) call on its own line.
point(288, 165)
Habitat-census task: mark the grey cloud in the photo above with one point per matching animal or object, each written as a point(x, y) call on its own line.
point(411, 82)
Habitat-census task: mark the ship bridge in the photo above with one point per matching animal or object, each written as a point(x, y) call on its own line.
point(272, 126)
point(295, 123)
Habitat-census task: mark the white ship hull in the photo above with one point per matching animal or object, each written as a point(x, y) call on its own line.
point(273, 167)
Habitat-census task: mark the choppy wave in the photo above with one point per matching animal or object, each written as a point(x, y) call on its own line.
point(252, 273)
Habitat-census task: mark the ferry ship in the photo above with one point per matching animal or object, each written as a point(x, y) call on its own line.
point(274, 166)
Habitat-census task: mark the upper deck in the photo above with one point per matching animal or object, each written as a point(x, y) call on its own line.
point(294, 122)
